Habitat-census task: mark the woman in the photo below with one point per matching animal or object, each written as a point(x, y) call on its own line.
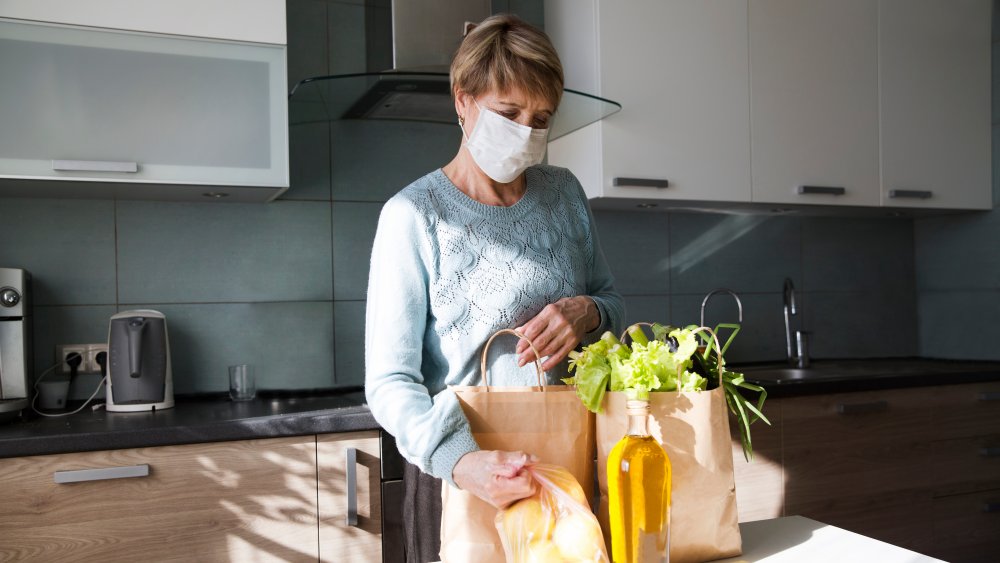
point(492, 240)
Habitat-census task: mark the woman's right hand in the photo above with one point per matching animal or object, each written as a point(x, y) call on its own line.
point(495, 476)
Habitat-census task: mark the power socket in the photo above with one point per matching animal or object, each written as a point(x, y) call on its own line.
point(64, 350)
point(88, 352)
point(91, 358)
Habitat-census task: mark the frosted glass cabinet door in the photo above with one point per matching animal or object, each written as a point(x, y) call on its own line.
point(935, 103)
point(110, 106)
point(814, 101)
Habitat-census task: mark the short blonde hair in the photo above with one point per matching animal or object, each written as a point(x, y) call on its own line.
point(504, 52)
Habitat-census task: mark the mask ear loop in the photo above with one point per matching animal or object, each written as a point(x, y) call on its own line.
point(461, 121)
point(461, 125)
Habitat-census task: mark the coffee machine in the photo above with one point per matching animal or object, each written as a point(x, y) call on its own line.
point(15, 340)
point(139, 374)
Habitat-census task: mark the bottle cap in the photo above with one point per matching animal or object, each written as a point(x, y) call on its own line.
point(636, 407)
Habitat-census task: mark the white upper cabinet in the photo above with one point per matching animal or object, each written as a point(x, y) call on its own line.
point(258, 21)
point(934, 72)
point(680, 71)
point(96, 112)
point(814, 101)
point(861, 103)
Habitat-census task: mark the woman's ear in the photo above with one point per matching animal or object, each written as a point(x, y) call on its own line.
point(462, 102)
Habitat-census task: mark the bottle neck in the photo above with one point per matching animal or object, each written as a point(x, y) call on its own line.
point(638, 415)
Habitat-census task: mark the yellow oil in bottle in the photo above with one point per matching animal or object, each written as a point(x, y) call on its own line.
point(639, 494)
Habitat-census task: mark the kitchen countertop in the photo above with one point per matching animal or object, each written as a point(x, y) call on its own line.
point(845, 376)
point(195, 419)
point(794, 539)
point(214, 418)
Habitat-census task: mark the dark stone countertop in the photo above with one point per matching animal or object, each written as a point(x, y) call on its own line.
point(214, 418)
point(194, 419)
point(845, 376)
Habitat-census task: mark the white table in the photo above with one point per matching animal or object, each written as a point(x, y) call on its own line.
point(796, 539)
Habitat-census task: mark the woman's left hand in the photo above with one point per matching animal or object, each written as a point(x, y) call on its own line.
point(557, 329)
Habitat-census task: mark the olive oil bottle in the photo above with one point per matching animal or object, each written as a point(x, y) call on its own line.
point(639, 492)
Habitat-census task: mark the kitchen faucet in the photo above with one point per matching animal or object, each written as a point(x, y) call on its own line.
point(739, 304)
point(797, 355)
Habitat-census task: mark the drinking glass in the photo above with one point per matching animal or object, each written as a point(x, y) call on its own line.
point(242, 386)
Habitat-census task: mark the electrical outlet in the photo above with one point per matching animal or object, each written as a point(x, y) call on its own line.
point(91, 359)
point(64, 350)
point(88, 353)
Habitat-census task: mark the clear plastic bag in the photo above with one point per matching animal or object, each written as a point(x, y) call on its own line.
point(555, 525)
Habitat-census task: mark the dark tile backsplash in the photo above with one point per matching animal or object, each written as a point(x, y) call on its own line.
point(850, 275)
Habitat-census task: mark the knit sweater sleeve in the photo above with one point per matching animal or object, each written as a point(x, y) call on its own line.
point(601, 283)
point(431, 432)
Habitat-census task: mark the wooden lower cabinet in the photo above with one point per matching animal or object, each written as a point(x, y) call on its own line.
point(965, 470)
point(967, 528)
point(916, 467)
point(859, 461)
point(252, 500)
point(760, 483)
point(339, 540)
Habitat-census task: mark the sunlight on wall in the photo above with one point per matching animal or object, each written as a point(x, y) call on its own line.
point(711, 241)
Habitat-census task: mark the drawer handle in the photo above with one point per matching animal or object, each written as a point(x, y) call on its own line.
point(103, 474)
point(351, 471)
point(989, 452)
point(826, 190)
point(95, 166)
point(640, 182)
point(991, 507)
point(862, 408)
point(989, 396)
point(911, 194)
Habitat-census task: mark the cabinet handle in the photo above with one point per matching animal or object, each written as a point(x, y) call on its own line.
point(991, 507)
point(640, 182)
point(862, 408)
point(827, 190)
point(103, 474)
point(351, 471)
point(989, 396)
point(95, 166)
point(989, 452)
point(913, 194)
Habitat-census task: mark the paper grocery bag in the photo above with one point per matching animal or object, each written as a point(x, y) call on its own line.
point(547, 421)
point(693, 428)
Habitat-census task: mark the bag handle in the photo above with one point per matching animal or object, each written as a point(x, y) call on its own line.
point(715, 339)
point(486, 347)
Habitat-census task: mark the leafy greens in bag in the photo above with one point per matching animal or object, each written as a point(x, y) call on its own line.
point(676, 359)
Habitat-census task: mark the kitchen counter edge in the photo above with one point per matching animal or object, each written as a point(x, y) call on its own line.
point(192, 422)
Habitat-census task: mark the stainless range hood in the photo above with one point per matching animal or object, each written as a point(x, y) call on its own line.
point(424, 38)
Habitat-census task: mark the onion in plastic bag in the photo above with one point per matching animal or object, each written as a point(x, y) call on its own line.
point(555, 525)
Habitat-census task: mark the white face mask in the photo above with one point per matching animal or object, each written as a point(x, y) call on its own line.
point(502, 148)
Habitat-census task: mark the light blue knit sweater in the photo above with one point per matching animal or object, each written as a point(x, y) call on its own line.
point(446, 273)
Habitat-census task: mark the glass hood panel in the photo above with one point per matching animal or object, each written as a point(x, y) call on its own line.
point(415, 96)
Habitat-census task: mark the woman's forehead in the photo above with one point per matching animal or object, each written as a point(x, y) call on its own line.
point(517, 97)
